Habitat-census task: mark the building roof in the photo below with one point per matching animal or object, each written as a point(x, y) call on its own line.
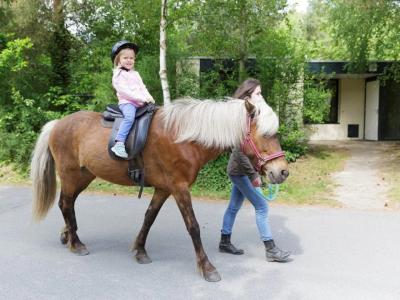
point(340, 68)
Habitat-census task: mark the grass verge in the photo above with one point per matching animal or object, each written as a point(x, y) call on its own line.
point(310, 179)
point(8, 175)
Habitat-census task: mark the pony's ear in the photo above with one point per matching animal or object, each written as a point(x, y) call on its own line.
point(250, 107)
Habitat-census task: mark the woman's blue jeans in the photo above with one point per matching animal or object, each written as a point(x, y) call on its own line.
point(129, 111)
point(242, 188)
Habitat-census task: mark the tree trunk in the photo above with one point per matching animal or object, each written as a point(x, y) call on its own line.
point(59, 48)
point(243, 42)
point(57, 11)
point(163, 53)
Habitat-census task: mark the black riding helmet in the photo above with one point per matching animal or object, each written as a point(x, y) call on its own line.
point(118, 46)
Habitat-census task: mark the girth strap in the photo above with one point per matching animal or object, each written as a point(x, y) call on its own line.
point(136, 171)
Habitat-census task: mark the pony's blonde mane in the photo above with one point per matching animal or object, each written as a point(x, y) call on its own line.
point(266, 119)
point(215, 124)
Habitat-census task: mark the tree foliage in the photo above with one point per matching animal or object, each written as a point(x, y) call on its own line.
point(367, 30)
point(356, 30)
point(233, 28)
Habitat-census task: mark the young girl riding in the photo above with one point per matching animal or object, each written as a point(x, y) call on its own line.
point(130, 89)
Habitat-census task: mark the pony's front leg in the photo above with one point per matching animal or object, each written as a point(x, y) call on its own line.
point(155, 205)
point(184, 202)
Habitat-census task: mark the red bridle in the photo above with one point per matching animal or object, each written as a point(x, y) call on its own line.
point(261, 159)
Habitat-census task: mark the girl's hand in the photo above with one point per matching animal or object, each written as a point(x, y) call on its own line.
point(150, 100)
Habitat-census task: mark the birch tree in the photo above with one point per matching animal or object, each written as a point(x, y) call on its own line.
point(163, 53)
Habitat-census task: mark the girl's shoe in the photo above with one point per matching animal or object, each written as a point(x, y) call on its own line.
point(119, 150)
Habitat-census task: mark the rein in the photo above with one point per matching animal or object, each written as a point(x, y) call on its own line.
point(261, 159)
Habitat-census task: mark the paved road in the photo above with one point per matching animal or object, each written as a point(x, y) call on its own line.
point(337, 253)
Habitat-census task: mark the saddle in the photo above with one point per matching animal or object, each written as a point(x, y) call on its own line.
point(135, 141)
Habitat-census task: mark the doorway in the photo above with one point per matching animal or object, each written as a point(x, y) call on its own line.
point(371, 109)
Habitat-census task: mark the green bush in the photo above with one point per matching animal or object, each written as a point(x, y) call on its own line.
point(18, 135)
point(213, 179)
point(316, 104)
point(187, 82)
point(292, 141)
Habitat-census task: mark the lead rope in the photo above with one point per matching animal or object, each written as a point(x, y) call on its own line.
point(271, 193)
point(273, 190)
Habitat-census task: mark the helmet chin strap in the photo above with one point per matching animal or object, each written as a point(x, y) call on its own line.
point(261, 159)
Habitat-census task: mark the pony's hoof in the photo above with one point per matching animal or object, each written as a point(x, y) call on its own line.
point(81, 251)
point(142, 258)
point(212, 276)
point(64, 238)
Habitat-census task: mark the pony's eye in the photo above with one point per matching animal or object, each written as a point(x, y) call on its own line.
point(266, 135)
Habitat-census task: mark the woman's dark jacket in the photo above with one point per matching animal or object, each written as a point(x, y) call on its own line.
point(240, 165)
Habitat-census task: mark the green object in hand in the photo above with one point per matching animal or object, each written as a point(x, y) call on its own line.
point(271, 193)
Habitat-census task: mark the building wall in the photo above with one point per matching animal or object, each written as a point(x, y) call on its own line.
point(351, 111)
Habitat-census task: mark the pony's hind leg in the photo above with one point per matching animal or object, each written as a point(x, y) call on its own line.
point(71, 187)
point(155, 205)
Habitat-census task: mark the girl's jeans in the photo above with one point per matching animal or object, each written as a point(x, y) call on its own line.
point(129, 111)
point(242, 188)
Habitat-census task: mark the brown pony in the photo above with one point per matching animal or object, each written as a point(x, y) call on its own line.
point(183, 137)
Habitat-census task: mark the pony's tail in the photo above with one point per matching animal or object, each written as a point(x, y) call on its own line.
point(43, 174)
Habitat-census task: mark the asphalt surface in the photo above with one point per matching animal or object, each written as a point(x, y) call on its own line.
point(337, 253)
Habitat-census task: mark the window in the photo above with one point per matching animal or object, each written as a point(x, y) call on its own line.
point(321, 102)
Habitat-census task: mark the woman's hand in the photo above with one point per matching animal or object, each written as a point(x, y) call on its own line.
point(256, 182)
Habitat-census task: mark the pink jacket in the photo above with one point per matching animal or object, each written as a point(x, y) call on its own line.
point(130, 87)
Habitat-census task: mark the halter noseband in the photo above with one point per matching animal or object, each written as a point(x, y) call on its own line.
point(261, 160)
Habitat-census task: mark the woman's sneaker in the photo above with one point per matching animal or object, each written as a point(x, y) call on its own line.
point(119, 150)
